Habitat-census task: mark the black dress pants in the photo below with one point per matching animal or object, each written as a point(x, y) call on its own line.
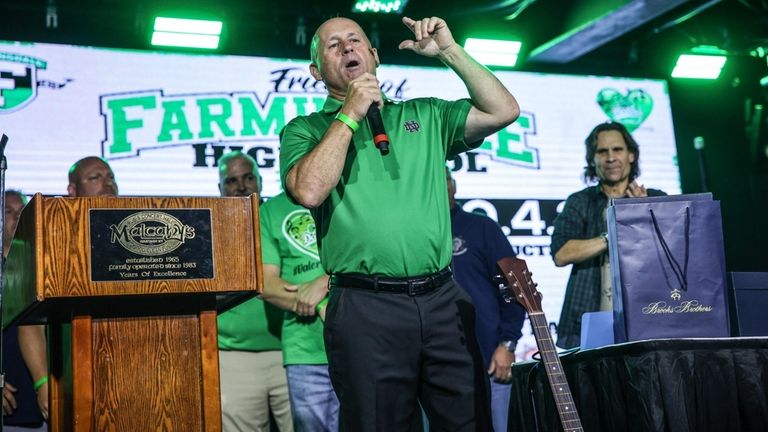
point(388, 350)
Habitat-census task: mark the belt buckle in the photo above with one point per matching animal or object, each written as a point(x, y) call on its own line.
point(411, 288)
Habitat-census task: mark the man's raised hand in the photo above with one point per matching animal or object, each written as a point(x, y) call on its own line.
point(431, 36)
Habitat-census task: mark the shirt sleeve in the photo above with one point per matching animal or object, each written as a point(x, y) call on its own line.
point(296, 141)
point(570, 223)
point(454, 118)
point(270, 252)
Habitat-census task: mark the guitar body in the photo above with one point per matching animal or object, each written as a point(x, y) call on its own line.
point(521, 287)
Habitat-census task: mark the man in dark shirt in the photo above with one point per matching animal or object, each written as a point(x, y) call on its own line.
point(478, 243)
point(579, 238)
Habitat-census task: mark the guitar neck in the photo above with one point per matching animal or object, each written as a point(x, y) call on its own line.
point(558, 383)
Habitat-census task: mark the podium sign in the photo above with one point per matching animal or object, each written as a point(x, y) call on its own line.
point(146, 244)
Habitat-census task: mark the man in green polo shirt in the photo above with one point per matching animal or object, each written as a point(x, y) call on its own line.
point(253, 381)
point(295, 282)
point(398, 328)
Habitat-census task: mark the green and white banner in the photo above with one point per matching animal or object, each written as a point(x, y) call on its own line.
point(162, 119)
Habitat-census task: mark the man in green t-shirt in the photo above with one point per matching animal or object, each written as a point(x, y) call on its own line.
point(295, 282)
point(398, 328)
point(253, 381)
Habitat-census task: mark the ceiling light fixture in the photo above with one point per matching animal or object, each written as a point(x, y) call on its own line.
point(493, 52)
point(188, 33)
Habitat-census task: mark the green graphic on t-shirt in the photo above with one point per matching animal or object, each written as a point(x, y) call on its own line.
point(299, 229)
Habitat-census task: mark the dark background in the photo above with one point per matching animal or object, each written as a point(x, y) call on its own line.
point(629, 38)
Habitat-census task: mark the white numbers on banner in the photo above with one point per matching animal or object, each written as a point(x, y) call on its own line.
point(482, 205)
point(528, 217)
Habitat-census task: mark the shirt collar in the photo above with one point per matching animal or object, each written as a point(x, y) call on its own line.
point(597, 192)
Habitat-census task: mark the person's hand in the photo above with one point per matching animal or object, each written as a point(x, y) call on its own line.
point(635, 190)
point(362, 92)
point(9, 399)
point(42, 400)
point(432, 36)
point(501, 365)
point(310, 294)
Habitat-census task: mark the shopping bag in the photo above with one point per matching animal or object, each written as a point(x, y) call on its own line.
point(667, 267)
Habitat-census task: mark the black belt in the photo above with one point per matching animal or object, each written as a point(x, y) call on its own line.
point(412, 286)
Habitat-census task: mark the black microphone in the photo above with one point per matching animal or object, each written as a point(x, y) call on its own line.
point(698, 144)
point(380, 137)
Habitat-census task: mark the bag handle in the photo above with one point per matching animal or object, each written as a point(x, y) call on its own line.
point(680, 273)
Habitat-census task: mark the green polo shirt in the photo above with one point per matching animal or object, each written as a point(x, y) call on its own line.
point(389, 214)
point(253, 325)
point(288, 240)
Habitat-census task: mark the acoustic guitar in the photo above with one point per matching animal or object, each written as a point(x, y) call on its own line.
point(519, 286)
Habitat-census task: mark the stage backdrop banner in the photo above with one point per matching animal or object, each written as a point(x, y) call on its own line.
point(161, 119)
point(668, 268)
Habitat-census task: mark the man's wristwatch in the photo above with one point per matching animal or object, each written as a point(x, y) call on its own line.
point(604, 236)
point(509, 345)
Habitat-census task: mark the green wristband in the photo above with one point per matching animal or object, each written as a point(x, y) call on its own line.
point(321, 305)
point(347, 120)
point(39, 383)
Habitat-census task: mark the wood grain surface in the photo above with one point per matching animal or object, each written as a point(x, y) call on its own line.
point(144, 354)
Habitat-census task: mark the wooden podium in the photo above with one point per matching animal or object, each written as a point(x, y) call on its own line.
point(141, 281)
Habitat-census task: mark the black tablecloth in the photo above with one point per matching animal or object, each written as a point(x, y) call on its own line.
point(676, 385)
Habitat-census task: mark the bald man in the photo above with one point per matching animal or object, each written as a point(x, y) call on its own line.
point(89, 176)
point(397, 323)
point(253, 381)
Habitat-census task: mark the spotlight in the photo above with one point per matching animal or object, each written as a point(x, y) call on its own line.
point(703, 62)
point(182, 32)
point(493, 52)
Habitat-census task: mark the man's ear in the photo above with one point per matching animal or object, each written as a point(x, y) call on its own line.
point(375, 56)
point(315, 71)
point(71, 190)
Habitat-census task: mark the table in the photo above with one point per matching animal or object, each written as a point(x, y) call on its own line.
point(673, 385)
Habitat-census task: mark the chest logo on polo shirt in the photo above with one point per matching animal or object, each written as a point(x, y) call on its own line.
point(459, 246)
point(412, 126)
point(299, 229)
